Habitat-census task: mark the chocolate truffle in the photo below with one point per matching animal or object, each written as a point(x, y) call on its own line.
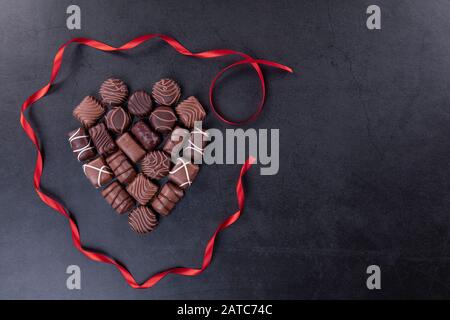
point(114, 91)
point(189, 111)
point(122, 168)
point(117, 120)
point(98, 172)
point(142, 189)
point(183, 173)
point(176, 137)
point(196, 145)
point(146, 137)
point(155, 165)
point(130, 147)
point(167, 198)
point(81, 144)
point(142, 220)
point(88, 111)
point(166, 92)
point(163, 119)
point(140, 104)
point(118, 198)
point(102, 139)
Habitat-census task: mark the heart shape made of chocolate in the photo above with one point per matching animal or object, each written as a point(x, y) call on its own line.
point(125, 143)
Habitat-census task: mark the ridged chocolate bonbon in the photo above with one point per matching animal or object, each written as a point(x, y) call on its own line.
point(142, 189)
point(162, 119)
point(189, 111)
point(118, 198)
point(142, 220)
point(81, 144)
point(140, 104)
point(121, 166)
point(130, 147)
point(88, 111)
point(146, 136)
point(183, 173)
point(167, 198)
point(117, 120)
point(102, 140)
point(166, 92)
point(113, 91)
point(176, 137)
point(98, 173)
point(155, 164)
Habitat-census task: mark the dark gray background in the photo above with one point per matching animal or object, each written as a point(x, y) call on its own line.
point(364, 175)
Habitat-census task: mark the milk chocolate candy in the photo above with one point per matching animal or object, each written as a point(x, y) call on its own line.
point(121, 166)
point(142, 189)
point(142, 220)
point(113, 91)
point(162, 119)
point(117, 120)
point(166, 92)
point(130, 147)
point(156, 165)
point(102, 140)
point(140, 104)
point(196, 144)
point(176, 137)
point(189, 111)
point(89, 111)
point(167, 198)
point(118, 198)
point(81, 144)
point(146, 137)
point(98, 172)
point(183, 173)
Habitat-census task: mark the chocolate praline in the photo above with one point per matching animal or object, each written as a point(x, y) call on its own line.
point(166, 92)
point(117, 120)
point(140, 104)
point(162, 119)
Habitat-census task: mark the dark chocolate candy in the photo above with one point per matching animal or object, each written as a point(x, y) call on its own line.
point(142, 189)
point(156, 165)
point(142, 220)
point(130, 147)
point(121, 166)
point(102, 140)
point(98, 172)
point(113, 91)
point(118, 120)
point(175, 138)
point(183, 173)
point(146, 137)
point(140, 104)
point(189, 111)
point(166, 92)
point(162, 119)
point(118, 198)
point(166, 199)
point(81, 144)
point(88, 111)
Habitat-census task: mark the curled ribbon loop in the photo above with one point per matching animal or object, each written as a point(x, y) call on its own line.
point(57, 206)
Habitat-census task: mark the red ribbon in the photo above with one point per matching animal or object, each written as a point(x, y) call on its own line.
point(54, 204)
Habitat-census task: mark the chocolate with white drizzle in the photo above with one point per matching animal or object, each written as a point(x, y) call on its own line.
point(81, 144)
point(196, 145)
point(98, 172)
point(183, 173)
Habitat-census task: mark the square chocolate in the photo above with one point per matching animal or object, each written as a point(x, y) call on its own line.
point(98, 172)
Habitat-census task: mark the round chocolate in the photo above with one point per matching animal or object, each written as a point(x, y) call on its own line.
point(118, 120)
point(162, 119)
point(166, 92)
point(114, 91)
point(140, 104)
